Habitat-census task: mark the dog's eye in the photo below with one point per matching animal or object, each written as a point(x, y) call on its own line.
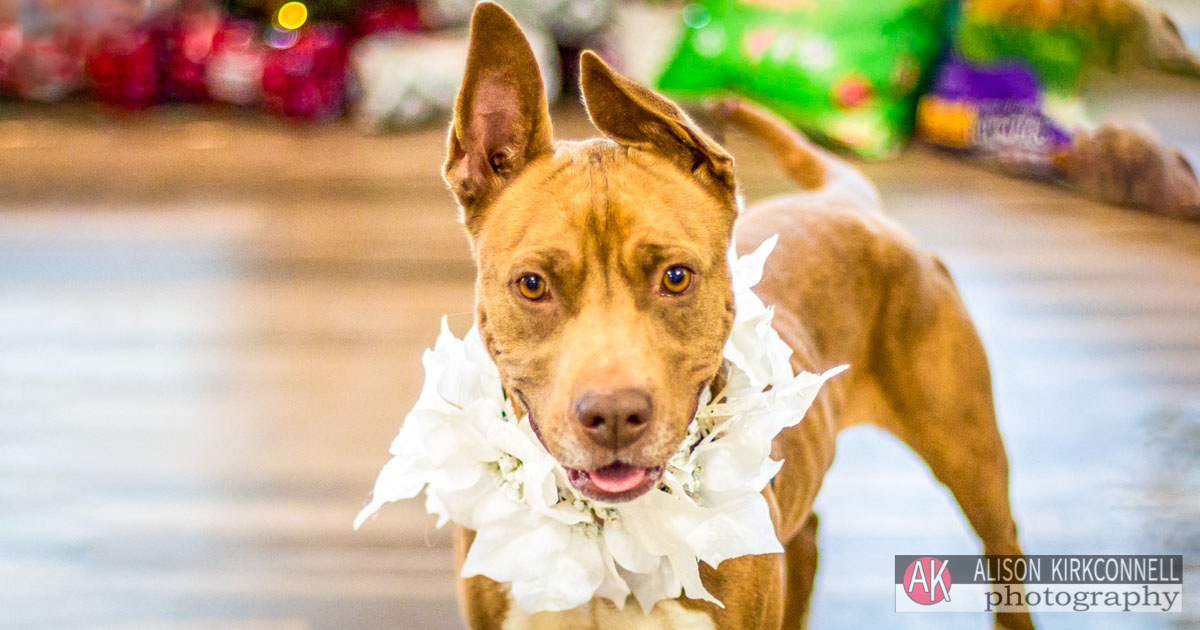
point(532, 286)
point(677, 279)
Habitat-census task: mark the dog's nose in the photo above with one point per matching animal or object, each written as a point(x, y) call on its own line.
point(614, 419)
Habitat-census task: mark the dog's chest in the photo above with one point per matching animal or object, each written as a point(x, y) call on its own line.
point(601, 615)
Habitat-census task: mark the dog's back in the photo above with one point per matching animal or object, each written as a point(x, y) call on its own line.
point(852, 286)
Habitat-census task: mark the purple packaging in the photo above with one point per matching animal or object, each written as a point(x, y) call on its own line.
point(996, 113)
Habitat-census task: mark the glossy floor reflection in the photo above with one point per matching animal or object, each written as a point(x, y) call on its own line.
point(210, 328)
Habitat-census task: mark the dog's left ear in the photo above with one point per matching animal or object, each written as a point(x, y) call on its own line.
point(636, 116)
point(501, 122)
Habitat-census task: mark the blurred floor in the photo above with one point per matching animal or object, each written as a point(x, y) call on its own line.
point(210, 328)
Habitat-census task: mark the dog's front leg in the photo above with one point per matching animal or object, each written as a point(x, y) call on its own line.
point(484, 602)
point(751, 589)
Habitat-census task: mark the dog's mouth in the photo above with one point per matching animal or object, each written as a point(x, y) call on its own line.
point(615, 482)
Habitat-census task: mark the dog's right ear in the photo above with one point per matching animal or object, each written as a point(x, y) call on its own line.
point(636, 116)
point(501, 121)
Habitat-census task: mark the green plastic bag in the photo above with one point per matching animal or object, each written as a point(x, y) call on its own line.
point(848, 72)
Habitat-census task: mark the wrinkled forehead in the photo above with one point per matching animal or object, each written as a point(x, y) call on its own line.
point(599, 198)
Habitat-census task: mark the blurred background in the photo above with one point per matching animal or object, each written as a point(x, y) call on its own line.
point(225, 243)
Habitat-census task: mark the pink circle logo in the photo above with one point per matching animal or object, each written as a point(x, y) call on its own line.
point(927, 581)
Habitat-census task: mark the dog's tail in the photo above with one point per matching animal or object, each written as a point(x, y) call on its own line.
point(803, 161)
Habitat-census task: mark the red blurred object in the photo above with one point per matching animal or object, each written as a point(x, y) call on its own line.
point(235, 68)
point(188, 47)
point(11, 39)
point(851, 92)
point(125, 69)
point(374, 16)
point(45, 67)
point(304, 73)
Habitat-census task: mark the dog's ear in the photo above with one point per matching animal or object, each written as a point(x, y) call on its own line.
point(636, 116)
point(501, 122)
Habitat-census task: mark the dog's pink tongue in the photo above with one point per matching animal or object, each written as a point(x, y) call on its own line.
point(617, 477)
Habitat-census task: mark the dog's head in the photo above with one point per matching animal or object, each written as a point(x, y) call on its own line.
point(603, 292)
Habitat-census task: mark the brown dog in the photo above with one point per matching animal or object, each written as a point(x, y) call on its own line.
point(604, 297)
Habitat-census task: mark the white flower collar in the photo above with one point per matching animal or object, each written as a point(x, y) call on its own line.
point(485, 469)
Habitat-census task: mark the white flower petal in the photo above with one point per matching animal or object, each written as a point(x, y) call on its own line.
point(737, 528)
point(628, 551)
point(654, 586)
point(688, 571)
point(395, 482)
point(658, 521)
point(550, 565)
point(748, 269)
point(613, 588)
